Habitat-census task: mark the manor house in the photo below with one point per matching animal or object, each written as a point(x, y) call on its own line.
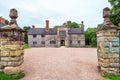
point(56, 37)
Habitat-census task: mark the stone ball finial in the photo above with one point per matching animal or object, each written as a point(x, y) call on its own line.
point(106, 12)
point(13, 13)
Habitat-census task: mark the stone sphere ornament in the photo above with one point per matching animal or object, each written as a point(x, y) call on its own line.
point(13, 13)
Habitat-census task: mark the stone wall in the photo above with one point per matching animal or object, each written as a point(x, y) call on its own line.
point(74, 38)
point(11, 53)
point(77, 40)
point(108, 46)
point(39, 39)
point(108, 51)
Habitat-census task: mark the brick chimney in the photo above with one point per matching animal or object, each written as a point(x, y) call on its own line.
point(82, 25)
point(2, 20)
point(68, 24)
point(47, 24)
point(33, 26)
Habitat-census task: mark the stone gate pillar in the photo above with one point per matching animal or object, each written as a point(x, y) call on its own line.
point(11, 46)
point(108, 50)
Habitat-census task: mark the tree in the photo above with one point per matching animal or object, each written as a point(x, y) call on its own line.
point(6, 21)
point(99, 26)
point(26, 28)
point(90, 37)
point(75, 25)
point(56, 26)
point(115, 12)
point(64, 24)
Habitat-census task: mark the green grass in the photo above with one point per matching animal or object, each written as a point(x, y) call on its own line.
point(11, 77)
point(112, 77)
point(26, 46)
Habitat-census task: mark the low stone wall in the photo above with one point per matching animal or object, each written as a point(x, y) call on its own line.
point(11, 53)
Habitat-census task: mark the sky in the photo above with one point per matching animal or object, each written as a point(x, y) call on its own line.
point(35, 12)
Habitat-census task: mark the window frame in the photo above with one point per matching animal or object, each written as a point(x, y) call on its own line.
point(42, 42)
point(34, 35)
point(34, 42)
point(62, 33)
point(53, 42)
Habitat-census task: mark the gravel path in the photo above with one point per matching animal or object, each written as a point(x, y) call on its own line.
point(61, 64)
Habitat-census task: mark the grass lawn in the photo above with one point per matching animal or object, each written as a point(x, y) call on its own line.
point(11, 77)
point(26, 46)
point(112, 77)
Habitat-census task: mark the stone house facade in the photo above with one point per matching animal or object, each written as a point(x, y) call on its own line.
point(62, 36)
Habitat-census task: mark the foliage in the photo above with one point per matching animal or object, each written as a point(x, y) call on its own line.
point(26, 46)
point(11, 77)
point(90, 37)
point(115, 11)
point(75, 25)
point(112, 77)
point(64, 24)
point(26, 28)
point(99, 26)
point(56, 26)
point(6, 22)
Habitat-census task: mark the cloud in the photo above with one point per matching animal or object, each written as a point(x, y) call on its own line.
point(35, 12)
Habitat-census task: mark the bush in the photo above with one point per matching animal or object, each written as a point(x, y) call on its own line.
point(112, 77)
point(11, 77)
point(26, 46)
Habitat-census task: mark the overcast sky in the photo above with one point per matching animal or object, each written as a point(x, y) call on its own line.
point(35, 12)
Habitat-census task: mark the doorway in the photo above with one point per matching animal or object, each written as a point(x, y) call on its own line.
point(62, 42)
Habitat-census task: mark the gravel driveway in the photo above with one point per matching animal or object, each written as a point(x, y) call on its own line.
point(61, 64)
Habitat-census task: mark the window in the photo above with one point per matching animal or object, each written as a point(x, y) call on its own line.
point(52, 42)
point(78, 42)
point(34, 42)
point(62, 33)
point(34, 35)
point(43, 42)
point(42, 35)
point(70, 42)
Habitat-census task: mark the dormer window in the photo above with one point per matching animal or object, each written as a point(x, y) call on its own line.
point(34, 36)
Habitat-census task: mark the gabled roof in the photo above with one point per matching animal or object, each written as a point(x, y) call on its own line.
point(53, 31)
point(40, 31)
point(76, 31)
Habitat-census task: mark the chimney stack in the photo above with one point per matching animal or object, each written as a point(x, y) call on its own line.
point(82, 25)
point(69, 24)
point(47, 24)
point(33, 26)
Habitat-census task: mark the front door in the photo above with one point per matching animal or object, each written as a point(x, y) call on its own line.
point(62, 42)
